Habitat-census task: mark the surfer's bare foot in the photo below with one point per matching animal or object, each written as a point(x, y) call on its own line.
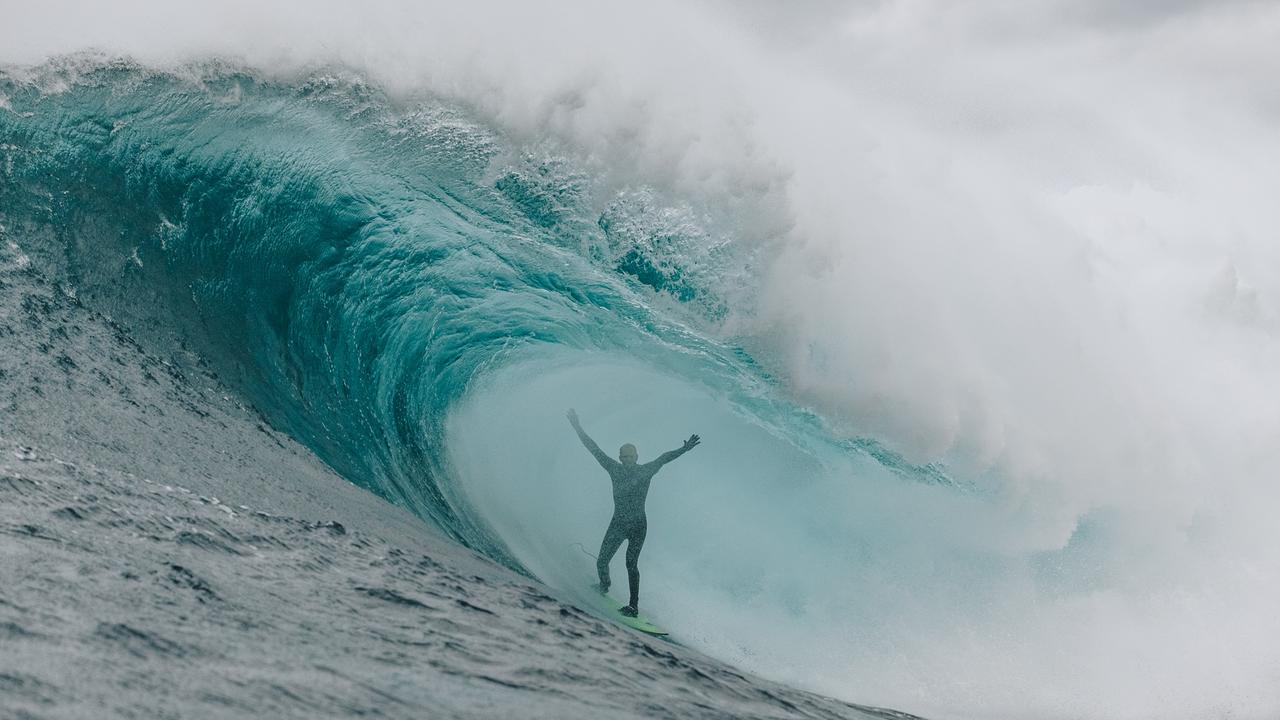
point(629, 611)
point(601, 588)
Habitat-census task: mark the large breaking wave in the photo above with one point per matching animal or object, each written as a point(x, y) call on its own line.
point(358, 267)
point(418, 318)
point(416, 289)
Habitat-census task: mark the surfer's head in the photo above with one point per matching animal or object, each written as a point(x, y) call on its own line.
point(627, 454)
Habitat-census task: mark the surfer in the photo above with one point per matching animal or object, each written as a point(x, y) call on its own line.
point(630, 488)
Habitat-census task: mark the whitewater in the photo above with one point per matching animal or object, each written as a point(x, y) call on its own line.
point(976, 309)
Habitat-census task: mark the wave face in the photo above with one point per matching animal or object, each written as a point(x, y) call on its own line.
point(417, 296)
point(418, 320)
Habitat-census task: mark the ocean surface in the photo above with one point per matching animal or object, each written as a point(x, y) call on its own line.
point(287, 343)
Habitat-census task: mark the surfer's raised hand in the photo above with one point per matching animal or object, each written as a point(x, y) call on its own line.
point(572, 415)
point(692, 442)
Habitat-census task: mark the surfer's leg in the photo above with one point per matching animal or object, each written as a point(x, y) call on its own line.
point(635, 543)
point(613, 538)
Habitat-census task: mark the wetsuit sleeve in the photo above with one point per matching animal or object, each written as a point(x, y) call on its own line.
point(670, 455)
point(604, 460)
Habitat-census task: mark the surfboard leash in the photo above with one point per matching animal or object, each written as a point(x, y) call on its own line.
point(583, 549)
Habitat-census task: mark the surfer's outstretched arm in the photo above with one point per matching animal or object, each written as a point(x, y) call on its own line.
point(670, 455)
point(591, 445)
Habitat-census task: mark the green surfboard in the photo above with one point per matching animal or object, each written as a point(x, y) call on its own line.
point(610, 608)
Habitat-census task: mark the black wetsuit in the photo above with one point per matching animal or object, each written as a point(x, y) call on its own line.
point(630, 489)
